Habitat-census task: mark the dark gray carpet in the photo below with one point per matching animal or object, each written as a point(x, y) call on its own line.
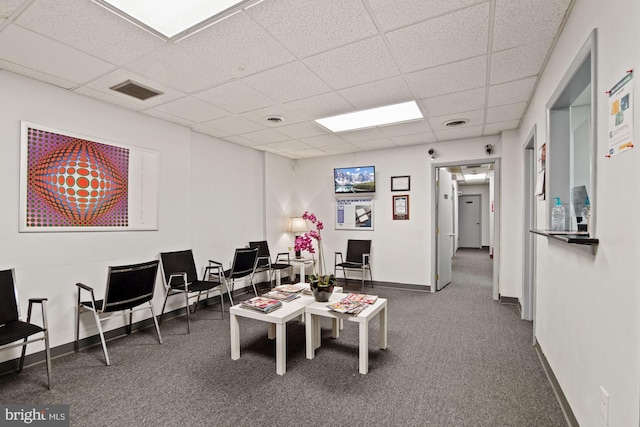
point(455, 358)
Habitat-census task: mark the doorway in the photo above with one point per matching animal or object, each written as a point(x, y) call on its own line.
point(441, 260)
point(529, 242)
point(469, 216)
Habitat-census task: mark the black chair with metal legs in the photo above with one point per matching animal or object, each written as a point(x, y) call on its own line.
point(180, 277)
point(129, 287)
point(358, 257)
point(282, 261)
point(13, 329)
point(243, 267)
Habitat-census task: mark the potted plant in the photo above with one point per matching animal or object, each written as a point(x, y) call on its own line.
point(321, 284)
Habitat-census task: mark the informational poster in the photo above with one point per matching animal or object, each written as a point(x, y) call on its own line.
point(70, 182)
point(354, 214)
point(621, 115)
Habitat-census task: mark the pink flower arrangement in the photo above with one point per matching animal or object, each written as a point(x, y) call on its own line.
point(305, 242)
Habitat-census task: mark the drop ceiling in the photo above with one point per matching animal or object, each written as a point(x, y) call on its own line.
point(300, 60)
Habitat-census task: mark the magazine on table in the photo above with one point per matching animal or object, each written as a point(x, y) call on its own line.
point(291, 288)
point(265, 305)
point(281, 295)
point(367, 299)
point(347, 306)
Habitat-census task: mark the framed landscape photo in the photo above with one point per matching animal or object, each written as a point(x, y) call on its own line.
point(400, 183)
point(401, 207)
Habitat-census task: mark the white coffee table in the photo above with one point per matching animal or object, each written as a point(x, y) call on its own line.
point(316, 310)
point(277, 329)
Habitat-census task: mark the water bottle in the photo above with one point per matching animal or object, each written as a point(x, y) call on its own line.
point(557, 216)
point(586, 213)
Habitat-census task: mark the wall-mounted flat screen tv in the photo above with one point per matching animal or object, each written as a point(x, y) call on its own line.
point(360, 179)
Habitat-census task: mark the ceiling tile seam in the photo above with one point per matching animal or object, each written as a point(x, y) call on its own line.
point(487, 84)
point(15, 14)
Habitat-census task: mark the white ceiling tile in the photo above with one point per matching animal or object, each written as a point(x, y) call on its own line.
point(265, 136)
point(207, 130)
point(454, 37)
point(512, 92)
point(7, 7)
point(36, 75)
point(496, 128)
point(267, 148)
point(233, 125)
point(362, 135)
point(459, 133)
point(310, 27)
point(31, 50)
point(506, 112)
point(90, 28)
point(475, 118)
point(288, 115)
point(357, 63)
point(375, 144)
point(193, 109)
point(322, 140)
point(302, 130)
point(341, 149)
point(168, 117)
point(235, 96)
point(308, 153)
point(174, 67)
point(288, 82)
point(399, 13)
point(290, 145)
point(238, 46)
point(450, 78)
point(236, 139)
point(524, 21)
point(120, 75)
point(519, 62)
point(320, 106)
point(414, 139)
point(377, 94)
point(454, 103)
point(418, 126)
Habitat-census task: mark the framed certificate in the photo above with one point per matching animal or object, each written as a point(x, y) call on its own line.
point(401, 207)
point(400, 183)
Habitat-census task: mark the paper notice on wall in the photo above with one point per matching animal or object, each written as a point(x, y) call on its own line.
point(354, 214)
point(621, 116)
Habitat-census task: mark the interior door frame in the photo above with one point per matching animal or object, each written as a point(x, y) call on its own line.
point(496, 219)
point(529, 221)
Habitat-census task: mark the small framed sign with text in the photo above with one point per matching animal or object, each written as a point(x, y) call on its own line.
point(401, 207)
point(400, 183)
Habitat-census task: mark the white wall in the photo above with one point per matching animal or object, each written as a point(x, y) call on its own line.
point(201, 205)
point(485, 206)
point(587, 317)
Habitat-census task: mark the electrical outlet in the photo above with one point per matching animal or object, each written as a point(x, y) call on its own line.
point(604, 405)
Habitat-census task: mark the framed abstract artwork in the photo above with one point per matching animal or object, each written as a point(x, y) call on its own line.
point(71, 182)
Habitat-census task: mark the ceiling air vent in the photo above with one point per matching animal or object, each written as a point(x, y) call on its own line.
point(275, 119)
point(455, 123)
point(136, 90)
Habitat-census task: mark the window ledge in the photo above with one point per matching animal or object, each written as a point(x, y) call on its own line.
point(572, 237)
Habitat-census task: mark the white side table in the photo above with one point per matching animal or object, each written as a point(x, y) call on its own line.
point(302, 263)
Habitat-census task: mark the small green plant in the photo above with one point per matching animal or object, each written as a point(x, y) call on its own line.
point(322, 281)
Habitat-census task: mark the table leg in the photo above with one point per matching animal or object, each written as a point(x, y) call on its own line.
point(335, 328)
point(281, 348)
point(235, 338)
point(383, 328)
point(317, 332)
point(271, 331)
point(364, 347)
point(309, 338)
point(302, 272)
point(278, 278)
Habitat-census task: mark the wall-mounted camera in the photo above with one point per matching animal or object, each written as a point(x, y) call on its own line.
point(432, 153)
point(488, 148)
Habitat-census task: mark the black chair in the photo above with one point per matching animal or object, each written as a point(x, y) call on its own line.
point(243, 266)
point(13, 329)
point(358, 255)
point(128, 288)
point(180, 277)
point(264, 260)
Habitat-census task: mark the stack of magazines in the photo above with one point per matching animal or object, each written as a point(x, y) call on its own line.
point(265, 305)
point(353, 303)
point(291, 288)
point(281, 295)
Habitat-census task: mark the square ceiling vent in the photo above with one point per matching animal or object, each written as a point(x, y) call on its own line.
point(136, 90)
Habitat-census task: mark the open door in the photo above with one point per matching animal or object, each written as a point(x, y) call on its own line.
point(444, 227)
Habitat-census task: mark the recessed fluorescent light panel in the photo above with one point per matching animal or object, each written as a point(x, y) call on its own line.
point(169, 18)
point(390, 114)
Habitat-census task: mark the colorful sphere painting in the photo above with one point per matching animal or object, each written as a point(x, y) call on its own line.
point(74, 182)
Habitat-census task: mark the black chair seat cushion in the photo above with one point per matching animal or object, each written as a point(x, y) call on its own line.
point(279, 266)
point(349, 265)
point(198, 286)
point(16, 330)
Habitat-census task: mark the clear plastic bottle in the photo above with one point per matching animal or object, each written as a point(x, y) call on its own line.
point(558, 216)
point(586, 213)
